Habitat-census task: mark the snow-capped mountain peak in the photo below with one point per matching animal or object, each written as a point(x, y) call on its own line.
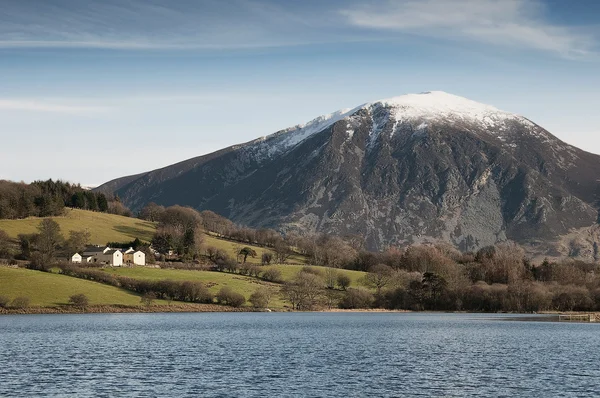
point(439, 105)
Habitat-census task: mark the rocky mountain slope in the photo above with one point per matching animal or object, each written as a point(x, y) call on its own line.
point(415, 168)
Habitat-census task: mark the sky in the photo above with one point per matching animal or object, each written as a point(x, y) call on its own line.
point(95, 90)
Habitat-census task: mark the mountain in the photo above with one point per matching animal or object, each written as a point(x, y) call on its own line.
point(415, 168)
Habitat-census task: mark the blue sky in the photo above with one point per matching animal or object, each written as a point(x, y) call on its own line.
point(91, 91)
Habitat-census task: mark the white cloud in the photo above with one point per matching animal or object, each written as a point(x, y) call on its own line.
point(43, 106)
point(502, 22)
point(153, 25)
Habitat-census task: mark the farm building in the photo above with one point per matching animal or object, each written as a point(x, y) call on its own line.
point(131, 256)
point(99, 254)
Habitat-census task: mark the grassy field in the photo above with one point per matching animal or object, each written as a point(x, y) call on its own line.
point(214, 280)
point(102, 226)
point(106, 228)
point(229, 246)
point(47, 290)
point(50, 289)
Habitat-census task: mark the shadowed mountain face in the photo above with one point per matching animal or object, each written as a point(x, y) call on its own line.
point(410, 169)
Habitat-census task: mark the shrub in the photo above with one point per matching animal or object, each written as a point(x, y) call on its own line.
point(266, 258)
point(79, 300)
point(272, 275)
point(4, 300)
point(343, 281)
point(260, 298)
point(20, 302)
point(227, 296)
point(148, 299)
point(357, 298)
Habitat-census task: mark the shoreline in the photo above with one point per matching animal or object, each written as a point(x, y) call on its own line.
point(122, 309)
point(212, 308)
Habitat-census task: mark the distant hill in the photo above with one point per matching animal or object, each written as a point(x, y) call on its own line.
point(411, 169)
point(103, 227)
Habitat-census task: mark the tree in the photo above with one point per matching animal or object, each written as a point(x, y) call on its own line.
point(282, 252)
point(331, 276)
point(266, 258)
point(247, 251)
point(304, 291)
point(163, 241)
point(26, 244)
point(261, 297)
point(79, 300)
point(78, 200)
point(180, 219)
point(102, 203)
point(343, 281)
point(379, 276)
point(191, 243)
point(152, 212)
point(47, 243)
point(433, 286)
point(77, 241)
point(357, 298)
point(5, 246)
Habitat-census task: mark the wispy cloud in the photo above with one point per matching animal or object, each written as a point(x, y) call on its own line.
point(154, 24)
point(33, 105)
point(519, 23)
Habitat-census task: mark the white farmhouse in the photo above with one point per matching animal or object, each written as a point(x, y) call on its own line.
point(76, 258)
point(104, 255)
point(131, 256)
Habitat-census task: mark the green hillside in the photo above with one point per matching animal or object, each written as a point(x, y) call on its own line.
point(216, 280)
point(48, 290)
point(213, 280)
point(229, 246)
point(104, 227)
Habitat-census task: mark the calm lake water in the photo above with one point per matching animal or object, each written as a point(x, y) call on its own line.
point(296, 354)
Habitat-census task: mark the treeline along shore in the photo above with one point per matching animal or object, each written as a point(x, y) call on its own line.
point(204, 259)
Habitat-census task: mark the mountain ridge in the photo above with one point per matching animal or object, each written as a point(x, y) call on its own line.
point(420, 167)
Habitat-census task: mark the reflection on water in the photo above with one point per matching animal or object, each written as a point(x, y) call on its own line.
point(296, 354)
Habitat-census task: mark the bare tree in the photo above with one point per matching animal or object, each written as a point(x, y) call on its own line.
point(282, 252)
point(331, 277)
point(261, 297)
point(304, 292)
point(77, 241)
point(379, 276)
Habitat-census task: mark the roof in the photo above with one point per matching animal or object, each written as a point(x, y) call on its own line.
point(94, 249)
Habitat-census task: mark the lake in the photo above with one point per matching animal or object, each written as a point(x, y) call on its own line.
point(296, 355)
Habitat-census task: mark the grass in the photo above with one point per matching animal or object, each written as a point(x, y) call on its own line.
point(229, 246)
point(106, 228)
point(102, 226)
point(214, 280)
point(48, 290)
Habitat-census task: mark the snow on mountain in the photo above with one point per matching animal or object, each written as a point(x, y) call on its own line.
point(438, 105)
point(422, 108)
point(281, 141)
